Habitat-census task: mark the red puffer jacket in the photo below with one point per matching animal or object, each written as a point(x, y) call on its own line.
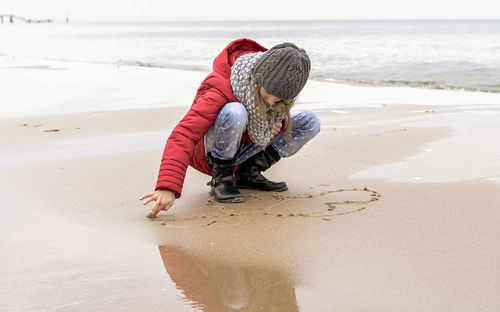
point(185, 145)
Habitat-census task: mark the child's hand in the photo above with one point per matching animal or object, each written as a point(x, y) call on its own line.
point(277, 128)
point(164, 199)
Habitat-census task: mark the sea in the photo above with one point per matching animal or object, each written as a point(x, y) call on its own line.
point(436, 54)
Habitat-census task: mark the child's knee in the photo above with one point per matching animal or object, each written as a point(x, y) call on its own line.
point(235, 110)
point(310, 122)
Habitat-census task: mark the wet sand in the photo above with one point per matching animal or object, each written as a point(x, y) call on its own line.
point(344, 237)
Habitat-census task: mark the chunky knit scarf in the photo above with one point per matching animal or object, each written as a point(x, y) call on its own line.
point(260, 127)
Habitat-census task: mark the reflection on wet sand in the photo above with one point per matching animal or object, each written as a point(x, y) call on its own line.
point(215, 286)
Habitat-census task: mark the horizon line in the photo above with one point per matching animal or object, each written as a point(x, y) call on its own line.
point(131, 20)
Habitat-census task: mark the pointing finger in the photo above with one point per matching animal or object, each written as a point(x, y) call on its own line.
point(156, 208)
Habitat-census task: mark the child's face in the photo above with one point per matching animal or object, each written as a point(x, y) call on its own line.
point(268, 97)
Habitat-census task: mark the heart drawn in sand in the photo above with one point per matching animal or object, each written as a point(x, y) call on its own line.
point(323, 205)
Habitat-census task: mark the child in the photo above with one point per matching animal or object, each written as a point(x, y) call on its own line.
point(240, 119)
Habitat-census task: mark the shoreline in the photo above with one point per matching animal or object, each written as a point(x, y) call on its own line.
point(126, 81)
point(426, 85)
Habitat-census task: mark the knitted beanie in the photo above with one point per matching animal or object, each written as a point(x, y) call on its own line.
point(283, 70)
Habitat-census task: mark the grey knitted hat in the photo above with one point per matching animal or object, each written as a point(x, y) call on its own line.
point(283, 70)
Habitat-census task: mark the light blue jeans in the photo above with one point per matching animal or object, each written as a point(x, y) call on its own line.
point(223, 140)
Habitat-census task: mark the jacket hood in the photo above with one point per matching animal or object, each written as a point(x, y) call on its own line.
point(225, 60)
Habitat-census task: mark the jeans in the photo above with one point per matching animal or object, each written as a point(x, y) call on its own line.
point(223, 140)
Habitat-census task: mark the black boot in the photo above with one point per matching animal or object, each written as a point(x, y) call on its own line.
point(223, 188)
point(248, 175)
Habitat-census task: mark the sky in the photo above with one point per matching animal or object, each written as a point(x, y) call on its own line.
point(167, 10)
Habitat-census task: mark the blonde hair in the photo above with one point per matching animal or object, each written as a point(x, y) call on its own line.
point(287, 104)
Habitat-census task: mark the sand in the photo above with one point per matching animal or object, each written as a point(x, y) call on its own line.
point(394, 206)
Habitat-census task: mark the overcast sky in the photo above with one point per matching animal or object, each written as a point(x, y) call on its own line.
point(165, 10)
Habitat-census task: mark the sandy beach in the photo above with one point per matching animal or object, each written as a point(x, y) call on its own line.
point(394, 206)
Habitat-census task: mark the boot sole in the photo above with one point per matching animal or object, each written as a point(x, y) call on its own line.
point(231, 200)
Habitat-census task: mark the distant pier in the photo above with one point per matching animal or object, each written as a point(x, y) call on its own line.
point(9, 18)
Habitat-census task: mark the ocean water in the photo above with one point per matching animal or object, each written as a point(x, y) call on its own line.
point(438, 54)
